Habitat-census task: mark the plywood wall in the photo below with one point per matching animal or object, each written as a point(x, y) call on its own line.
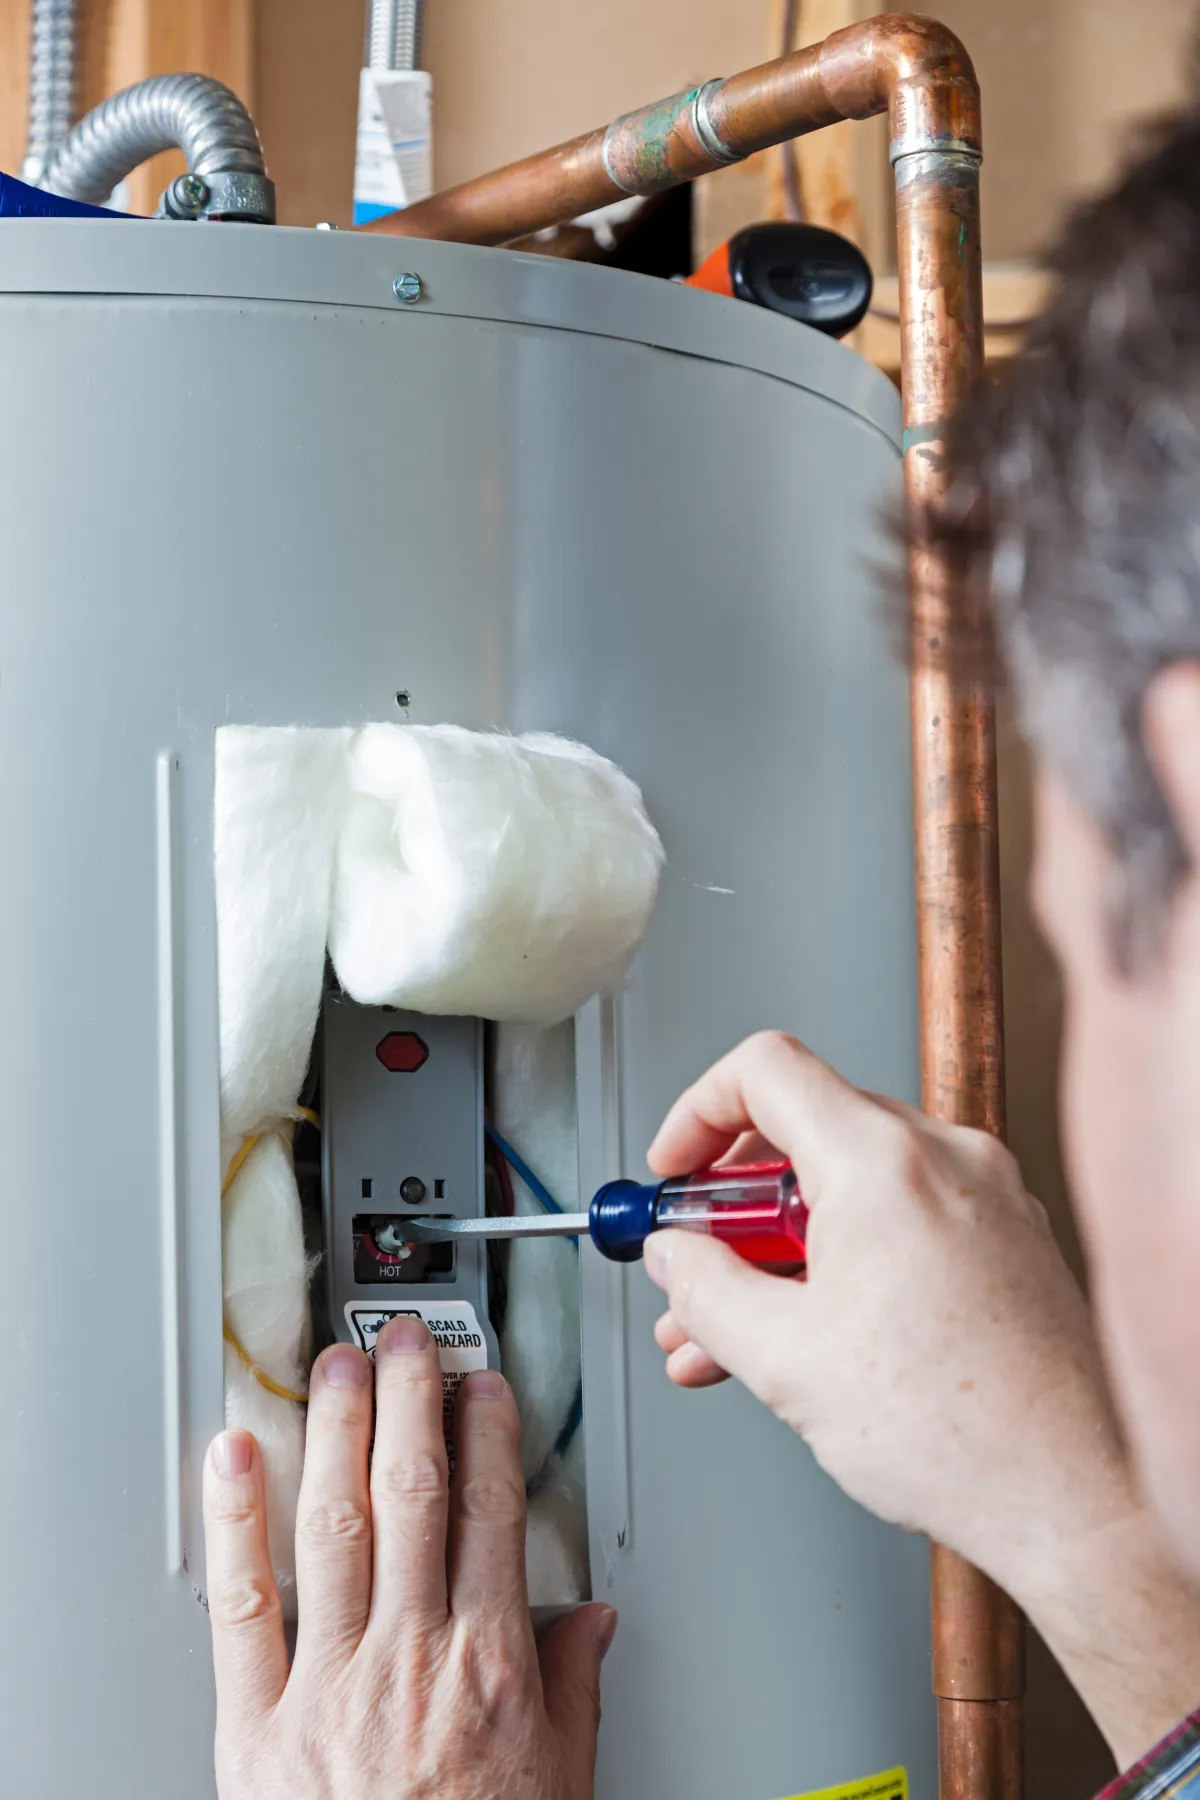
point(1061, 79)
point(123, 41)
point(1062, 82)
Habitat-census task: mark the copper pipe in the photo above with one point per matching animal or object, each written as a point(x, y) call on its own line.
point(972, 1661)
point(918, 73)
point(978, 1634)
point(912, 68)
point(980, 1749)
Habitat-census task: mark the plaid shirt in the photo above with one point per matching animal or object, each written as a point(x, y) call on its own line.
point(1171, 1771)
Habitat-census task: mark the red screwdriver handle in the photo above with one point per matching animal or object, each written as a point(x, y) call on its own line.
point(755, 1208)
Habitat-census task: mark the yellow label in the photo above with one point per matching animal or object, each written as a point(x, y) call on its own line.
point(891, 1785)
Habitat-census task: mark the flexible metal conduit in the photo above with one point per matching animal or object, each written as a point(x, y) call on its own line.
point(394, 34)
point(193, 113)
point(918, 73)
point(51, 83)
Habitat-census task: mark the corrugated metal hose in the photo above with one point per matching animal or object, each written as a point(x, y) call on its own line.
point(51, 83)
point(394, 34)
point(200, 116)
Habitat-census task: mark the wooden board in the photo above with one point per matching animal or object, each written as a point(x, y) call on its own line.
point(157, 37)
point(14, 64)
point(123, 41)
point(845, 184)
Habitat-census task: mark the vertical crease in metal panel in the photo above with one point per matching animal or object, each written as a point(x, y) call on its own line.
point(166, 808)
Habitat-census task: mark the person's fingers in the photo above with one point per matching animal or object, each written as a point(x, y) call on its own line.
point(692, 1367)
point(487, 1506)
point(333, 1518)
point(570, 1655)
point(409, 1483)
point(249, 1653)
point(687, 1365)
point(745, 1321)
point(751, 1147)
point(669, 1335)
point(772, 1085)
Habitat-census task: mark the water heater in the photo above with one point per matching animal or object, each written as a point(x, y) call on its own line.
point(274, 477)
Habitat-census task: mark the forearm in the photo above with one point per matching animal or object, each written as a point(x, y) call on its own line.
point(1059, 1522)
point(1125, 1626)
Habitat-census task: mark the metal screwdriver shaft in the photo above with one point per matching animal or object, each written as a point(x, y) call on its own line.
point(438, 1231)
point(755, 1208)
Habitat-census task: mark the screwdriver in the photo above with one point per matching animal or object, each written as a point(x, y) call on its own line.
point(755, 1208)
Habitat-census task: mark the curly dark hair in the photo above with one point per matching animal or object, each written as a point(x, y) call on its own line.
point(1074, 502)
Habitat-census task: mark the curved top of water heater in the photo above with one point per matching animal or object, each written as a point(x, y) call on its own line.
point(106, 258)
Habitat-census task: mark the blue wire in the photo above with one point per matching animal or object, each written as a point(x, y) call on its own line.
point(518, 1164)
point(545, 1198)
point(574, 1421)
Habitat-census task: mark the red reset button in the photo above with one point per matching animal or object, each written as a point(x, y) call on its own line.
point(402, 1052)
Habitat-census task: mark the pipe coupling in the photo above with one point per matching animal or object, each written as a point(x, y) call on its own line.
point(705, 129)
point(934, 112)
point(925, 143)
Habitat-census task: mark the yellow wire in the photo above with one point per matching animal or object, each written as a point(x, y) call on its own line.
point(238, 1160)
point(236, 1164)
point(260, 1375)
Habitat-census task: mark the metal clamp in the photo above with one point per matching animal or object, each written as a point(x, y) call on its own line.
point(920, 143)
point(711, 141)
point(234, 194)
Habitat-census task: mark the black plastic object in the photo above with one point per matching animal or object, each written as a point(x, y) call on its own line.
point(803, 271)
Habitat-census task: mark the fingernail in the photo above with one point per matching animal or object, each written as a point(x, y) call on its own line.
point(657, 1257)
point(604, 1631)
point(403, 1337)
point(343, 1366)
point(485, 1384)
point(232, 1454)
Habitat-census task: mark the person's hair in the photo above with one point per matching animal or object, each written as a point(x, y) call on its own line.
point(1074, 499)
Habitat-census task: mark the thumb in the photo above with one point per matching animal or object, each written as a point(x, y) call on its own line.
point(570, 1655)
point(748, 1322)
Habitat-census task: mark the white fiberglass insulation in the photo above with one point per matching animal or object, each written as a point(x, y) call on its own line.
point(444, 871)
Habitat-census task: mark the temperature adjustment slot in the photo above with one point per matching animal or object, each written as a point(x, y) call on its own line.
point(383, 1255)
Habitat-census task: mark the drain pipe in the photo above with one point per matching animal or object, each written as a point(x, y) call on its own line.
point(227, 177)
point(52, 82)
point(919, 74)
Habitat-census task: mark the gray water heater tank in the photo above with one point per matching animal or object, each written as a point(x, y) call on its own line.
point(241, 481)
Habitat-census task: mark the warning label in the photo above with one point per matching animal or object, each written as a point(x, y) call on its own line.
point(891, 1785)
point(455, 1330)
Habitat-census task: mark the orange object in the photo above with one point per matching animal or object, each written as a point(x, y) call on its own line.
point(714, 274)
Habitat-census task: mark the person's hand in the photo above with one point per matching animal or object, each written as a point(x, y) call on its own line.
point(939, 1330)
point(939, 1360)
point(416, 1675)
